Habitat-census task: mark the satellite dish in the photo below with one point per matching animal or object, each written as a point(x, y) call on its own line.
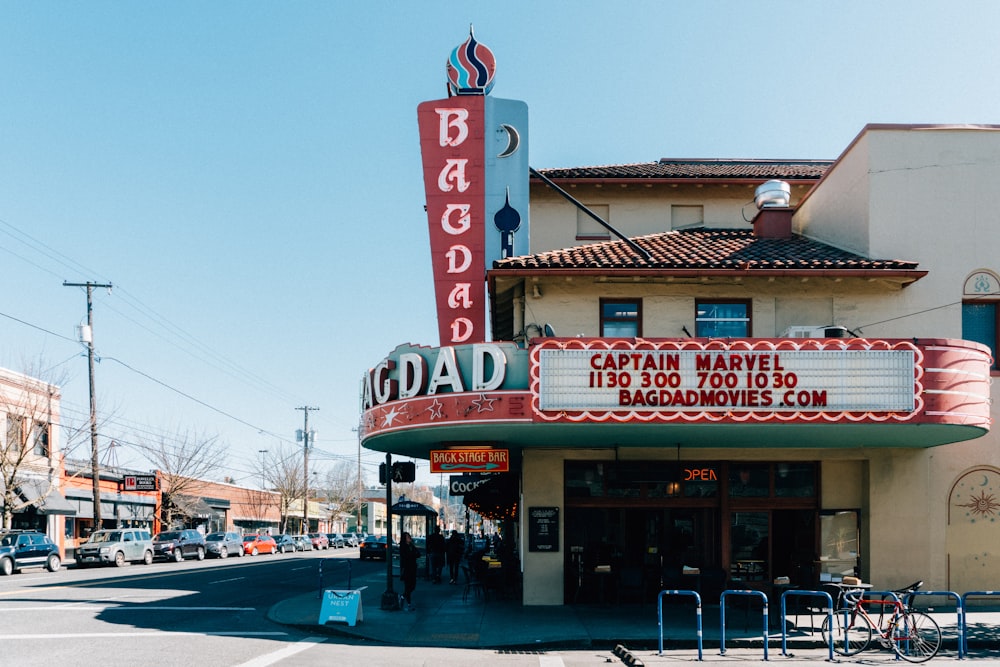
point(548, 331)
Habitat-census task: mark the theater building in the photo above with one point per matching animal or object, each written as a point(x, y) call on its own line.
point(732, 373)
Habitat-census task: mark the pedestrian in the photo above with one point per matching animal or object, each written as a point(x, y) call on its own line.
point(408, 555)
point(436, 552)
point(454, 550)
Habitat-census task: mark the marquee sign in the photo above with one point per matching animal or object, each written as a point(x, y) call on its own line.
point(700, 378)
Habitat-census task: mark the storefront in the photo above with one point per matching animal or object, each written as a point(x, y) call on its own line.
point(729, 400)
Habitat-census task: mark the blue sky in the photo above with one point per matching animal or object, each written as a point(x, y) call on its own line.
point(247, 174)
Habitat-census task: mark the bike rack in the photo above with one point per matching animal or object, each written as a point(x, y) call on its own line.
point(964, 638)
point(784, 616)
point(959, 609)
point(319, 594)
point(884, 594)
point(722, 616)
point(659, 615)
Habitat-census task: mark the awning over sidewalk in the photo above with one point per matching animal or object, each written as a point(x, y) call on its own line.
point(193, 506)
point(48, 500)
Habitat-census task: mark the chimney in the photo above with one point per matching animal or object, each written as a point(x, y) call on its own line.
point(773, 223)
point(774, 216)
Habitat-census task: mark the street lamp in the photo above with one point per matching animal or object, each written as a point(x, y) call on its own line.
point(262, 452)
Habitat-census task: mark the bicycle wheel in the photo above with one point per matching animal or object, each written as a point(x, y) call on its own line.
point(916, 637)
point(851, 633)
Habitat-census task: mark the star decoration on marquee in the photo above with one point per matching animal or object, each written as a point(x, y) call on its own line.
point(390, 416)
point(436, 409)
point(483, 404)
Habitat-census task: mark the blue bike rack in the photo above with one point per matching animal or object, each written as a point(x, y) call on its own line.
point(964, 638)
point(659, 615)
point(722, 616)
point(784, 616)
point(959, 609)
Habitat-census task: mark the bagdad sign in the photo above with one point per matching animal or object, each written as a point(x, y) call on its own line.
point(470, 460)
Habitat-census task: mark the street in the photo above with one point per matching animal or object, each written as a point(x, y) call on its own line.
point(169, 614)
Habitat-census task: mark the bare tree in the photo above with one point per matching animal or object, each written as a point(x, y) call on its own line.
point(29, 406)
point(183, 462)
point(285, 476)
point(256, 504)
point(340, 486)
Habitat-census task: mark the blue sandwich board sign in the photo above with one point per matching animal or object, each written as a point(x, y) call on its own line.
point(343, 606)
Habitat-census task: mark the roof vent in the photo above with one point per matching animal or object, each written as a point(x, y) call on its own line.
point(772, 193)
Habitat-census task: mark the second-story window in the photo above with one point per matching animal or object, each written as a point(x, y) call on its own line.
point(40, 439)
point(621, 318)
point(722, 319)
point(981, 311)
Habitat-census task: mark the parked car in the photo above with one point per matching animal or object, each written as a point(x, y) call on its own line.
point(118, 546)
point(303, 543)
point(319, 541)
point(176, 545)
point(354, 539)
point(28, 548)
point(223, 545)
point(285, 543)
point(259, 544)
point(374, 547)
point(336, 540)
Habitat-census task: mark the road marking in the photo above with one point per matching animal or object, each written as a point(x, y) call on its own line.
point(281, 654)
point(296, 569)
point(75, 607)
point(86, 635)
point(226, 581)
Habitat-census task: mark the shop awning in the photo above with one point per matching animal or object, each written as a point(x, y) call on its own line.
point(48, 500)
point(193, 506)
point(406, 507)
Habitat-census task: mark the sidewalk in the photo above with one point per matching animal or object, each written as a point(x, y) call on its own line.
point(444, 619)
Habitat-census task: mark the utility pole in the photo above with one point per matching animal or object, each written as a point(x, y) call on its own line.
point(306, 436)
point(357, 529)
point(88, 339)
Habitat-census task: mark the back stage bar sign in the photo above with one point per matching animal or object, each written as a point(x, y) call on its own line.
point(470, 460)
point(763, 380)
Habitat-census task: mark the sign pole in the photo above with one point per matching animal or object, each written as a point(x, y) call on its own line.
point(390, 601)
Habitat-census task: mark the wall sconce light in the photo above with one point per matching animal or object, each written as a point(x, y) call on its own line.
point(535, 292)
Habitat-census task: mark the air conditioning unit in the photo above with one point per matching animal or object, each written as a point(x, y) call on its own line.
point(812, 331)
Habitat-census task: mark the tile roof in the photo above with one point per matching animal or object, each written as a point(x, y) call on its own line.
point(699, 169)
point(706, 249)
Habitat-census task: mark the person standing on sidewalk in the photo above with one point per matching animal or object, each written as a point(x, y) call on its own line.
point(408, 555)
point(436, 552)
point(454, 549)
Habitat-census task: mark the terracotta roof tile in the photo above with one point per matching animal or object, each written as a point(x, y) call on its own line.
point(706, 249)
point(755, 170)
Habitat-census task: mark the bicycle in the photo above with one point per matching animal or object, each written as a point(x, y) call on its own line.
point(912, 635)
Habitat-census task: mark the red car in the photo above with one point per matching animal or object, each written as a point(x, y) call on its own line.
point(259, 544)
point(319, 541)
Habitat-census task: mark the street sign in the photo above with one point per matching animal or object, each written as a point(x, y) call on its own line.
point(139, 483)
point(470, 460)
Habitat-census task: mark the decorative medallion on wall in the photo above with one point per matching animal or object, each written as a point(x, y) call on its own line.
point(982, 283)
point(975, 497)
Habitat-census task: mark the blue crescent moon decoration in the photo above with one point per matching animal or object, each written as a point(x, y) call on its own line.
point(513, 140)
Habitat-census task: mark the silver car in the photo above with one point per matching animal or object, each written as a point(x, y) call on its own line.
point(118, 546)
point(223, 545)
